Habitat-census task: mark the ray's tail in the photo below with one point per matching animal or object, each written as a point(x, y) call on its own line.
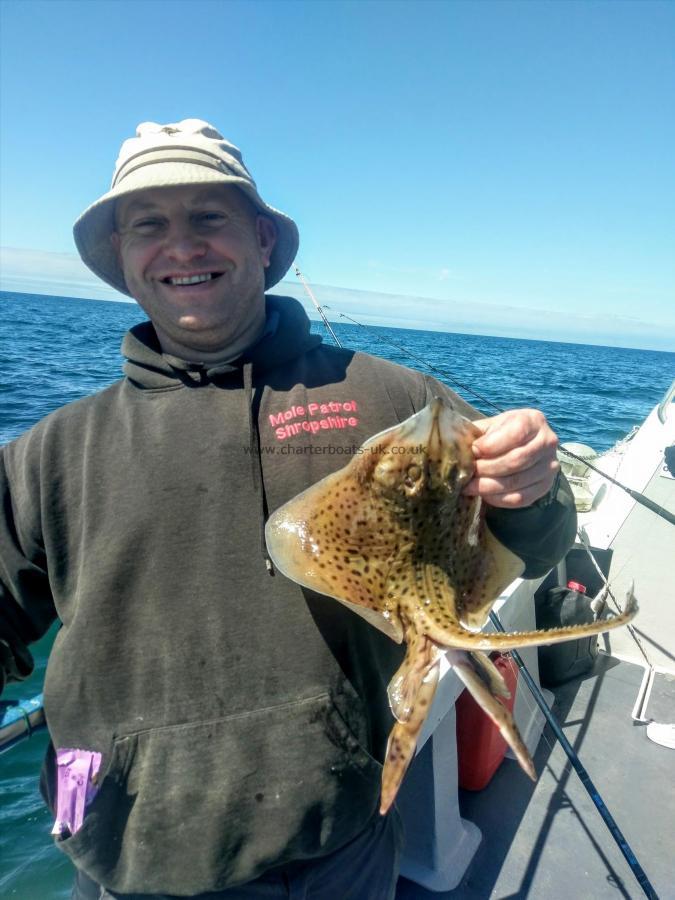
point(463, 639)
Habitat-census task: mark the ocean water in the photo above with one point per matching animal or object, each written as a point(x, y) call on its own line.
point(54, 350)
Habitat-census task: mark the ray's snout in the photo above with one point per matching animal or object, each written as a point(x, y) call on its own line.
point(438, 423)
point(445, 432)
point(451, 425)
point(431, 449)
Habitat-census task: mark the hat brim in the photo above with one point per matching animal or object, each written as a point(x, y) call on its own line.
point(93, 229)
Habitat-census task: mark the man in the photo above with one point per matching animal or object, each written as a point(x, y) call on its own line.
point(230, 725)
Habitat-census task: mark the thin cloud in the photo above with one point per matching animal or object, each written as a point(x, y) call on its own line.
point(45, 272)
point(431, 314)
point(64, 274)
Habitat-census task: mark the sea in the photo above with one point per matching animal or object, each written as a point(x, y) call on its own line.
point(54, 350)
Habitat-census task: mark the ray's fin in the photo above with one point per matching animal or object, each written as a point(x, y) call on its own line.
point(325, 540)
point(498, 568)
point(417, 684)
point(466, 671)
point(490, 674)
point(403, 689)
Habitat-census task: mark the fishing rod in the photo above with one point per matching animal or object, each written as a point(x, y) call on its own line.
point(20, 720)
point(635, 495)
point(584, 777)
point(303, 281)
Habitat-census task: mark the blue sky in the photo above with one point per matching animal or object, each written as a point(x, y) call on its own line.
point(498, 167)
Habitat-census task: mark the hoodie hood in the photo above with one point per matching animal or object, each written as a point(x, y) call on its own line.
point(286, 337)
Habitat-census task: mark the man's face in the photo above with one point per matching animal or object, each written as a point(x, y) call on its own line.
point(194, 258)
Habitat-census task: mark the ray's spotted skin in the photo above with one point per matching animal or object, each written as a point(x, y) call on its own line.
point(392, 536)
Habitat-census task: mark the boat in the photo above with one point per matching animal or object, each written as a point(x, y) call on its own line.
point(513, 838)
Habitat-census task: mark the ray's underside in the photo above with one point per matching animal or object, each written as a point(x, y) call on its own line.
point(392, 536)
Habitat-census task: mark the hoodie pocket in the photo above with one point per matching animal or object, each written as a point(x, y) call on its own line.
point(196, 807)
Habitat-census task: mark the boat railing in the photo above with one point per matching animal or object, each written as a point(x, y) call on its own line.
point(668, 398)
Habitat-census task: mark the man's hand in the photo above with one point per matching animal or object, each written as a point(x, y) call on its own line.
point(515, 459)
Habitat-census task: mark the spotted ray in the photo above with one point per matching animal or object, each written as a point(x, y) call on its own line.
point(392, 536)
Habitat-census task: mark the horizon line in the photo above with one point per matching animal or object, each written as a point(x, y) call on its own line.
point(313, 317)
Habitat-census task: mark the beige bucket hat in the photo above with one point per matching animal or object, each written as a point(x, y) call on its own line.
point(187, 152)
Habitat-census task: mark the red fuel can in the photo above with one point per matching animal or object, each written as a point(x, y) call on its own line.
point(480, 746)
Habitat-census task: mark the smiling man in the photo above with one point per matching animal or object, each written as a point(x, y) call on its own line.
point(217, 731)
point(194, 258)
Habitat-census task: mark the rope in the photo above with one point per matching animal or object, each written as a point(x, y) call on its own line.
point(607, 591)
point(26, 718)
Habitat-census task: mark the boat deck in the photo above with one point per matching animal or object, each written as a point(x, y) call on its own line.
point(548, 840)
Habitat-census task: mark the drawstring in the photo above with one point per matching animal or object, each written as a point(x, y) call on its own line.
point(256, 461)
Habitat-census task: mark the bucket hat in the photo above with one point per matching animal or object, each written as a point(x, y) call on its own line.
point(182, 153)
